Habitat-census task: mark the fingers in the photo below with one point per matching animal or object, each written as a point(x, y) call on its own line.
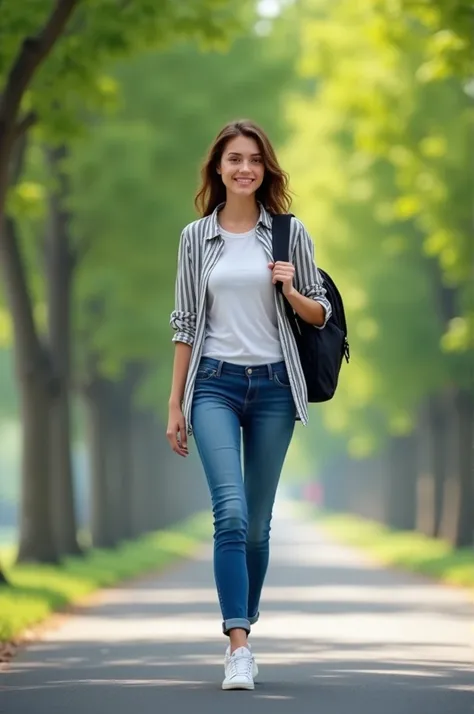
point(283, 272)
point(183, 437)
point(283, 269)
point(171, 436)
point(177, 438)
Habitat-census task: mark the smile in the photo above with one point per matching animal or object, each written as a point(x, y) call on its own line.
point(244, 181)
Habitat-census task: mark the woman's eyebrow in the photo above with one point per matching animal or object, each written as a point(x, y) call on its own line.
point(236, 153)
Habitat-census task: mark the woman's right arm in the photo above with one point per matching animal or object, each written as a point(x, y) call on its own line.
point(176, 431)
point(183, 321)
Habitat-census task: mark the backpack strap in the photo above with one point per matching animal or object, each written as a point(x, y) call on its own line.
point(281, 251)
point(281, 239)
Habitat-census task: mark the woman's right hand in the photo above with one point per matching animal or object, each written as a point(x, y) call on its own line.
point(176, 431)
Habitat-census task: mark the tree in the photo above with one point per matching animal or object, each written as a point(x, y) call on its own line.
point(60, 262)
point(73, 41)
point(390, 204)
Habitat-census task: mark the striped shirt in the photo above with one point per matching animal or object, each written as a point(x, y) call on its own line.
point(199, 250)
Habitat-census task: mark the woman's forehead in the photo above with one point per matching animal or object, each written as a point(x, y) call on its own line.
point(242, 145)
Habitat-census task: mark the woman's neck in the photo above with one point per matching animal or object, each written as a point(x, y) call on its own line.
point(239, 214)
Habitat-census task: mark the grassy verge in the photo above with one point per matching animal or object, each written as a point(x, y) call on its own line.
point(35, 591)
point(404, 549)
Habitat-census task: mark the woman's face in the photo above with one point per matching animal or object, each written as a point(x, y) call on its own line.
point(242, 168)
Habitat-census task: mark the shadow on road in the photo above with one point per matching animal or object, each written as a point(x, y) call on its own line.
point(312, 675)
point(338, 635)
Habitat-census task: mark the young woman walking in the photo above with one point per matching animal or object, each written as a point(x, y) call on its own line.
point(236, 367)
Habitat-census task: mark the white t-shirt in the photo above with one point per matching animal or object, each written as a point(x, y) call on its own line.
point(241, 324)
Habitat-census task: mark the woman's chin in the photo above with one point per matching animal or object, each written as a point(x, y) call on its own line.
point(242, 190)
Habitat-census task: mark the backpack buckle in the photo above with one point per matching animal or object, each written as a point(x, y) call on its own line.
point(347, 351)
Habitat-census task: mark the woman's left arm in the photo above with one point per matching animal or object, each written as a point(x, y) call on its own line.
point(302, 283)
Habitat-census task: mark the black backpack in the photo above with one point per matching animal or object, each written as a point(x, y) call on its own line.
point(321, 351)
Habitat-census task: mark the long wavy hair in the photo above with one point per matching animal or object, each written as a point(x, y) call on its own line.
point(273, 194)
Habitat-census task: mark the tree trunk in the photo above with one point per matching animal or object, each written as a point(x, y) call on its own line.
point(101, 517)
point(113, 467)
point(59, 270)
point(36, 387)
point(123, 477)
point(160, 463)
point(182, 485)
point(457, 521)
point(426, 481)
point(144, 470)
point(335, 476)
point(3, 579)
point(439, 425)
point(36, 533)
point(368, 487)
point(401, 483)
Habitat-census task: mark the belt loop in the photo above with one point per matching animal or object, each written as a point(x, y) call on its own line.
point(270, 372)
point(219, 368)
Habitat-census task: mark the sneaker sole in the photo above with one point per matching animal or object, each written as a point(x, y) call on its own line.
point(227, 686)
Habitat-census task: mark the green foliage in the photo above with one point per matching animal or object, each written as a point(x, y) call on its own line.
point(386, 190)
point(448, 23)
point(34, 591)
point(70, 83)
point(407, 550)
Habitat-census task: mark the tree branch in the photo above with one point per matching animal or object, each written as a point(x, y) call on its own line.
point(25, 124)
point(18, 158)
point(33, 51)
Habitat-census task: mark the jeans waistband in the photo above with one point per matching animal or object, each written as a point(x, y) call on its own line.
point(261, 370)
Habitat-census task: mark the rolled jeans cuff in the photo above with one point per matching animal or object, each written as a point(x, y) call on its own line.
point(254, 619)
point(240, 623)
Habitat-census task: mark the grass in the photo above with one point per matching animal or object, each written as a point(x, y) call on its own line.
point(404, 549)
point(35, 591)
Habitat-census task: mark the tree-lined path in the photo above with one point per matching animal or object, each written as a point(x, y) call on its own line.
point(338, 634)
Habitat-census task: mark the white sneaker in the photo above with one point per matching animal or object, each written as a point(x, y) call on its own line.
point(254, 663)
point(238, 670)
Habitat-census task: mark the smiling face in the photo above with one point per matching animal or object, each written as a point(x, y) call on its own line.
point(242, 167)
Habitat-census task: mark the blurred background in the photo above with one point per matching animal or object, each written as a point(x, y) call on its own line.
point(369, 105)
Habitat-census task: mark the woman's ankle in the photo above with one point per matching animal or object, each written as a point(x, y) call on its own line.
point(238, 638)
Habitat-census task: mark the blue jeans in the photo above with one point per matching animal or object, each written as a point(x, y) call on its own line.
point(230, 402)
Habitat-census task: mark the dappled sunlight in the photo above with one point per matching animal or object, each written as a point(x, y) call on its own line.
point(348, 665)
point(157, 596)
point(115, 682)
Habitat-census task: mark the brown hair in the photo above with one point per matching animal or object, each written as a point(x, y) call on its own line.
point(273, 193)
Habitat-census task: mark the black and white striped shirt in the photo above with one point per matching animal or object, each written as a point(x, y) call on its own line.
point(199, 250)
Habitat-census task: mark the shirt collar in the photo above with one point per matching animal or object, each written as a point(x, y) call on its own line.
point(212, 231)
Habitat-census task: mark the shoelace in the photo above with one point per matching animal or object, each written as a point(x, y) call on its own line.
point(240, 666)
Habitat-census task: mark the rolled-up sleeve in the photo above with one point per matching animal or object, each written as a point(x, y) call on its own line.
point(183, 317)
point(308, 281)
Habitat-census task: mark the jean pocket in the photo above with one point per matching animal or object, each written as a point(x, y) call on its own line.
point(205, 373)
point(282, 379)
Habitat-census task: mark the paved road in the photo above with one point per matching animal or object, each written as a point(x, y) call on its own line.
point(338, 636)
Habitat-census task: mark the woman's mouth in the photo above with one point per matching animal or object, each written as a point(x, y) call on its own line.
point(244, 181)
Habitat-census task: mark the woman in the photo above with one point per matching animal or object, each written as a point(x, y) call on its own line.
point(236, 367)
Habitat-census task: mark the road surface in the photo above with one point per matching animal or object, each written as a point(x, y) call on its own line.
point(338, 635)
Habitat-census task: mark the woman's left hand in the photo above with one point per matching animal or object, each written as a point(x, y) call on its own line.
point(284, 273)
